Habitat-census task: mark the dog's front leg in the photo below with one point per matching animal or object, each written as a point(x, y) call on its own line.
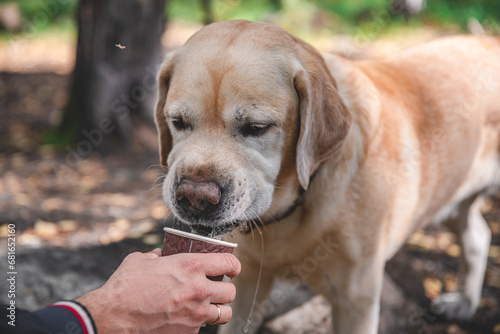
point(247, 315)
point(354, 290)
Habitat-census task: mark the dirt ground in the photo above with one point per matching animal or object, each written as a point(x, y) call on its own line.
point(76, 222)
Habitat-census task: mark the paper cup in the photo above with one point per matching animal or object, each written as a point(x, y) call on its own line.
point(176, 241)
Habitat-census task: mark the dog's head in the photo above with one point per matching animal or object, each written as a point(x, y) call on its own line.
point(246, 113)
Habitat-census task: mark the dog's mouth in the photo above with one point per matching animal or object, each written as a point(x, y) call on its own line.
point(215, 230)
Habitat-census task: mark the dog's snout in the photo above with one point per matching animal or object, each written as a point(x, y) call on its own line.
point(198, 196)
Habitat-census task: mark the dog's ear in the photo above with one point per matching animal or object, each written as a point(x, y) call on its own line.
point(164, 136)
point(324, 119)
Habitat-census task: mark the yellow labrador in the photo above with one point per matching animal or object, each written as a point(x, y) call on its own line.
point(337, 161)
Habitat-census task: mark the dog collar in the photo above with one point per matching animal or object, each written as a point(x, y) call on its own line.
point(286, 213)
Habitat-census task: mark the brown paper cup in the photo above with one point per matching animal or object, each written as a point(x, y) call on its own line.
point(176, 241)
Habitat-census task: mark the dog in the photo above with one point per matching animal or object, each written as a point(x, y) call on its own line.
point(335, 162)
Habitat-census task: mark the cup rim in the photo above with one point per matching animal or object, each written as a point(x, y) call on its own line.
point(200, 237)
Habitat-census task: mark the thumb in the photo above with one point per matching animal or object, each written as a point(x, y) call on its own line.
point(154, 253)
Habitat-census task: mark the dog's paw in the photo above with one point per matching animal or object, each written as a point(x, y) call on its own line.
point(453, 306)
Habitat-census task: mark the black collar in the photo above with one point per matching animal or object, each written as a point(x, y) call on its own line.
point(286, 213)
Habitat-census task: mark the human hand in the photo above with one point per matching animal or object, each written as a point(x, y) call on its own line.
point(149, 293)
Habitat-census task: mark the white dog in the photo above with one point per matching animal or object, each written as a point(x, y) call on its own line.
point(256, 125)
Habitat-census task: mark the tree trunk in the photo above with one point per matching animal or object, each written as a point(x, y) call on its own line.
point(277, 5)
point(206, 5)
point(408, 8)
point(118, 53)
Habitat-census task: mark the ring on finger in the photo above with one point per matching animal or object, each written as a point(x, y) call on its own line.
point(218, 316)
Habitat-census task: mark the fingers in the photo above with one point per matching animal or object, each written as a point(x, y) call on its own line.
point(211, 264)
point(216, 264)
point(156, 252)
point(221, 292)
point(220, 314)
point(226, 314)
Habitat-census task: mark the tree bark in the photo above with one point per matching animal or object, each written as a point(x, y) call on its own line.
point(118, 53)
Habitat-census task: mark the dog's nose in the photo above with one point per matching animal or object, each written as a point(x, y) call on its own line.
point(198, 196)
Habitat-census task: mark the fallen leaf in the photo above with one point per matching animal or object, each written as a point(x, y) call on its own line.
point(486, 206)
point(158, 211)
point(494, 251)
point(428, 243)
point(416, 237)
point(4, 231)
point(88, 183)
point(22, 200)
point(116, 199)
point(139, 229)
point(152, 239)
point(67, 225)
point(116, 235)
point(76, 207)
point(29, 239)
point(444, 240)
point(453, 250)
point(495, 227)
point(417, 241)
point(121, 224)
point(45, 229)
point(52, 204)
point(454, 329)
point(432, 287)
point(104, 239)
point(450, 282)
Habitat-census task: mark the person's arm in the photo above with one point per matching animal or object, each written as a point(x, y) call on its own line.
point(172, 294)
point(146, 294)
point(60, 317)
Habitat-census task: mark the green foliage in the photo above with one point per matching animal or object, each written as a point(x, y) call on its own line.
point(185, 10)
point(191, 10)
point(347, 16)
point(459, 12)
point(353, 11)
point(38, 15)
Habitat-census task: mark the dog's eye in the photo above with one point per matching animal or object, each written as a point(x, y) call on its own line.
point(179, 124)
point(255, 130)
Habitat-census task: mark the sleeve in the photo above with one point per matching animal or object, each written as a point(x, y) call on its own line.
point(61, 317)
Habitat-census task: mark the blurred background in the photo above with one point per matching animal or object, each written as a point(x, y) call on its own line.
point(79, 174)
